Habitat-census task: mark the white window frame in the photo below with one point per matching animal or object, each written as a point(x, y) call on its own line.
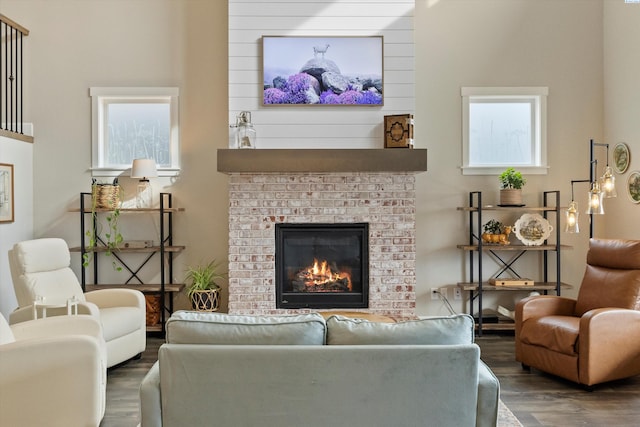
point(103, 96)
point(537, 96)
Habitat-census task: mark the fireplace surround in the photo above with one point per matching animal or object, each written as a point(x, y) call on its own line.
point(269, 187)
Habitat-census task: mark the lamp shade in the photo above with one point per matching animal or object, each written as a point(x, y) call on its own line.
point(572, 214)
point(144, 168)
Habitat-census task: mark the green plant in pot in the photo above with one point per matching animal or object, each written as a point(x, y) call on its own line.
point(202, 289)
point(511, 183)
point(496, 232)
point(104, 197)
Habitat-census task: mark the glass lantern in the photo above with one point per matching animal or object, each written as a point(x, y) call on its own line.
point(245, 133)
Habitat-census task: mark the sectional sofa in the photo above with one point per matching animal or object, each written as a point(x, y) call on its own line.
point(303, 370)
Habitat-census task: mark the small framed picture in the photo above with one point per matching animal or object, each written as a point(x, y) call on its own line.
point(6, 193)
point(621, 157)
point(633, 186)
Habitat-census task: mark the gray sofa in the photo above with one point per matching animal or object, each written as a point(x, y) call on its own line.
point(303, 371)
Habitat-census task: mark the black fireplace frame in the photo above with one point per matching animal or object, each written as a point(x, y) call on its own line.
point(297, 300)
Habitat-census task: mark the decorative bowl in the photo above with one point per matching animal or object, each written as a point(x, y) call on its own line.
point(532, 229)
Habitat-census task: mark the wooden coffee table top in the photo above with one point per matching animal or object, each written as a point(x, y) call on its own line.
point(358, 315)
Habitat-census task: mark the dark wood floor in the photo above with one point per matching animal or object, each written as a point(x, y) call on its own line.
point(537, 399)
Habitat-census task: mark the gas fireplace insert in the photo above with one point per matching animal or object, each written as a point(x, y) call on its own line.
point(322, 265)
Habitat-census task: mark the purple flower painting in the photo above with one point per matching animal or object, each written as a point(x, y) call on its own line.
point(322, 70)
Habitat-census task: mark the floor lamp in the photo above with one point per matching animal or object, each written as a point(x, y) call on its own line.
point(604, 187)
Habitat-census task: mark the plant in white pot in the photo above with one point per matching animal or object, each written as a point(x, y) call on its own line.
point(202, 289)
point(511, 183)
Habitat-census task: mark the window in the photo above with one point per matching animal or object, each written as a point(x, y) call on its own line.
point(132, 123)
point(502, 127)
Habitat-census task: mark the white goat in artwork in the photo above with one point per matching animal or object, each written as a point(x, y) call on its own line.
point(320, 49)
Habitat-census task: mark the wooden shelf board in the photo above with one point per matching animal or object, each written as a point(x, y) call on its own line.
point(147, 287)
point(487, 247)
point(500, 326)
point(509, 209)
point(154, 210)
point(538, 286)
point(132, 250)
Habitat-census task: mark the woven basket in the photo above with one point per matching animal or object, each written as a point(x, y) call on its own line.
point(106, 196)
point(152, 303)
point(207, 300)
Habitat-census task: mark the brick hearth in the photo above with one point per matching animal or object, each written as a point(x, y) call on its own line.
point(258, 201)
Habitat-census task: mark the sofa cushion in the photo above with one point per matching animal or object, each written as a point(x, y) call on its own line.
point(456, 329)
point(190, 327)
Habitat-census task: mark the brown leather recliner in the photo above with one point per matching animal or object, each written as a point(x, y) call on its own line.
point(592, 339)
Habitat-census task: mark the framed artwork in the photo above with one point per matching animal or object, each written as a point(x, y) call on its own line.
point(621, 157)
point(322, 70)
point(633, 186)
point(6, 193)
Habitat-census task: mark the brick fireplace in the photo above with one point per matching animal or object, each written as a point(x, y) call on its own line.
point(376, 193)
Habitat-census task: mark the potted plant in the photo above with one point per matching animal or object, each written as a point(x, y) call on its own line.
point(104, 196)
point(511, 183)
point(496, 232)
point(202, 289)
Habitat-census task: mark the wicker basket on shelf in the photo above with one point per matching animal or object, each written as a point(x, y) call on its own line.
point(153, 309)
point(106, 196)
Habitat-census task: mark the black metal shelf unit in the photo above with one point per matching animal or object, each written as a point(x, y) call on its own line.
point(477, 283)
point(165, 249)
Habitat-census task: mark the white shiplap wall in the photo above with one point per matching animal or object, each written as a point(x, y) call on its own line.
point(320, 126)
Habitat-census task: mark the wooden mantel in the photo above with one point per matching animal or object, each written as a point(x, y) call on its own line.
point(322, 160)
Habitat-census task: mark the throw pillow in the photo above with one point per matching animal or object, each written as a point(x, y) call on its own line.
point(191, 327)
point(455, 329)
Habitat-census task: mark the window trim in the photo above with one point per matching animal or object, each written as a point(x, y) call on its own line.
point(102, 96)
point(539, 97)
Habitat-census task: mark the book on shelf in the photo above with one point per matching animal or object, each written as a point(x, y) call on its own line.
point(498, 281)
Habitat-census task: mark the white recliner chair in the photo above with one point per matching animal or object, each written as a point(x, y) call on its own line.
point(40, 269)
point(52, 372)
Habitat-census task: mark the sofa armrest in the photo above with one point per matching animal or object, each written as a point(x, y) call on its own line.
point(150, 402)
point(606, 352)
point(488, 397)
point(49, 373)
point(57, 326)
point(116, 297)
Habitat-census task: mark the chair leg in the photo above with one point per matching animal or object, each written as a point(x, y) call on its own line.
point(526, 367)
point(137, 356)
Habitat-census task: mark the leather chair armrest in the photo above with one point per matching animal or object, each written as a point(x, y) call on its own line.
point(606, 348)
point(544, 305)
point(116, 297)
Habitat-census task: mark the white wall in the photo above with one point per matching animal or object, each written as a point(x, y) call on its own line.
point(622, 108)
point(20, 155)
point(320, 126)
point(184, 43)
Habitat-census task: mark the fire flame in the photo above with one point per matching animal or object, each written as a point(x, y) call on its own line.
point(320, 274)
